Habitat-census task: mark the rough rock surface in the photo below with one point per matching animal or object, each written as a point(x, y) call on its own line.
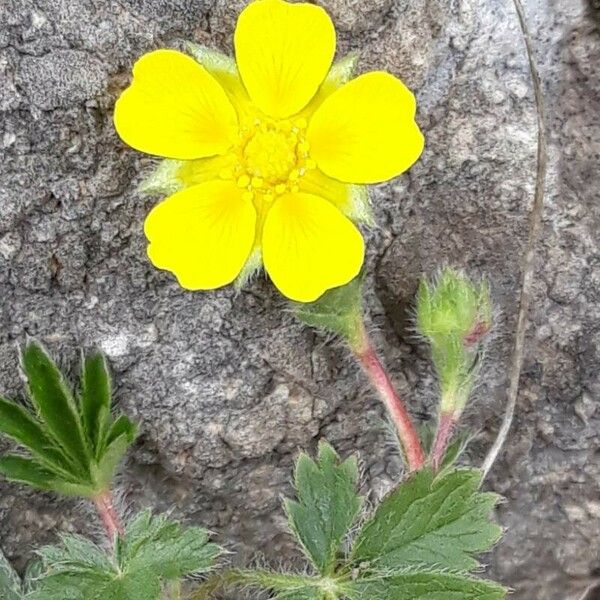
point(228, 387)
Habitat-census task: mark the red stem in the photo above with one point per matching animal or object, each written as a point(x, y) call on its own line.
point(409, 438)
point(445, 429)
point(108, 515)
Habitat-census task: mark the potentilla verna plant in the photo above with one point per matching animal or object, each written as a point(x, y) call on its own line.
point(273, 152)
point(266, 162)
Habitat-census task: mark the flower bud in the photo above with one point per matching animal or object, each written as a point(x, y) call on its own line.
point(455, 315)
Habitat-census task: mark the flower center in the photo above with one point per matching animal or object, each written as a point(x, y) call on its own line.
point(272, 157)
point(271, 154)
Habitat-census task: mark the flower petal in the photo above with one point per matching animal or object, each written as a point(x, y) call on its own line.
point(283, 52)
point(365, 132)
point(309, 246)
point(202, 234)
point(175, 108)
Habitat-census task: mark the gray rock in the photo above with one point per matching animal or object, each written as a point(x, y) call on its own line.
point(227, 386)
point(60, 79)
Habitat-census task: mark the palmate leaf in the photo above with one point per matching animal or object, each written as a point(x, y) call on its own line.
point(153, 551)
point(10, 582)
point(438, 521)
point(54, 402)
point(74, 447)
point(98, 586)
point(424, 585)
point(327, 507)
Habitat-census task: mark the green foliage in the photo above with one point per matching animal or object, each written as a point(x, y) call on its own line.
point(327, 505)
point(73, 446)
point(10, 582)
point(454, 314)
point(439, 521)
point(420, 543)
point(424, 585)
point(338, 311)
point(153, 552)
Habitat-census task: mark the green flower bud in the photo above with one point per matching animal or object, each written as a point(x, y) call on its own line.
point(454, 306)
point(454, 314)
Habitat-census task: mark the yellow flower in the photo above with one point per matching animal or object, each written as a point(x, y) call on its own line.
point(269, 152)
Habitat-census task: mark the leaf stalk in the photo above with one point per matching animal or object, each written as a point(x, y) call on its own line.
point(380, 380)
point(108, 515)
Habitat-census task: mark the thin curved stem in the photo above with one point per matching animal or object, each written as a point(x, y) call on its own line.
point(528, 262)
point(407, 433)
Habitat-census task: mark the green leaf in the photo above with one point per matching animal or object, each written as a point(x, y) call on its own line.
point(75, 447)
point(286, 585)
point(75, 554)
point(96, 586)
point(424, 585)
point(122, 426)
point(103, 472)
point(10, 583)
point(308, 593)
point(95, 399)
point(429, 520)
point(338, 310)
point(327, 507)
point(165, 548)
point(54, 402)
point(18, 424)
point(153, 551)
point(26, 470)
point(33, 572)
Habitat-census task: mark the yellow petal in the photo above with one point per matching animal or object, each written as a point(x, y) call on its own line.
point(365, 132)
point(309, 246)
point(283, 52)
point(175, 108)
point(202, 234)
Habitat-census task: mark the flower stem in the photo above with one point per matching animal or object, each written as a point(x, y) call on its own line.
point(407, 434)
point(446, 425)
point(108, 515)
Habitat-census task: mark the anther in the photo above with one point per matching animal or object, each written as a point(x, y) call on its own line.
point(243, 181)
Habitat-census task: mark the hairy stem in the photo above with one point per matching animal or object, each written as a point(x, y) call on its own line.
point(446, 425)
point(108, 515)
point(407, 433)
point(528, 262)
